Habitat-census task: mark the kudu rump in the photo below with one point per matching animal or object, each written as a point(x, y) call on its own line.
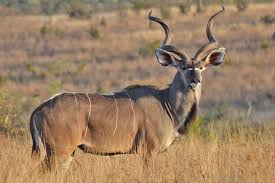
point(137, 119)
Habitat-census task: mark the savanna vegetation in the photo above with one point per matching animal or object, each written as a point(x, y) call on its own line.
point(43, 54)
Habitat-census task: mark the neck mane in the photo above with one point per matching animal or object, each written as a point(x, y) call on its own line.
point(181, 103)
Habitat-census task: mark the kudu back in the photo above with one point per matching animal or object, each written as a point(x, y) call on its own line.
point(137, 119)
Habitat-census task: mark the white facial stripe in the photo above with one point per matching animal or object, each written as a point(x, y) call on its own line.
point(196, 69)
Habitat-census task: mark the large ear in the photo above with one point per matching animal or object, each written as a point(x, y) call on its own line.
point(165, 58)
point(215, 57)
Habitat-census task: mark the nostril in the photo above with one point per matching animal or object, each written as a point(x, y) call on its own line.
point(196, 81)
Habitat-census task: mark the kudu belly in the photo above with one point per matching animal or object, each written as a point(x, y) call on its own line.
point(111, 125)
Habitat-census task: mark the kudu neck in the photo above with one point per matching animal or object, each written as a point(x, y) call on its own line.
point(181, 99)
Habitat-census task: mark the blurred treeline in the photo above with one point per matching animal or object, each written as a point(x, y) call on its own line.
point(88, 7)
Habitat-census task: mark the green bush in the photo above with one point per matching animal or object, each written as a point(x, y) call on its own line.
point(82, 67)
point(264, 44)
point(185, 8)
point(241, 4)
point(42, 73)
point(3, 81)
point(100, 89)
point(54, 87)
point(149, 48)
point(138, 5)
point(268, 19)
point(11, 121)
point(271, 96)
point(197, 127)
point(94, 32)
point(45, 30)
point(31, 68)
point(78, 9)
point(78, 13)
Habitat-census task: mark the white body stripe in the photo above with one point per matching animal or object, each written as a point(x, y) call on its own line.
point(86, 131)
point(90, 104)
point(90, 110)
point(134, 115)
point(76, 103)
point(116, 115)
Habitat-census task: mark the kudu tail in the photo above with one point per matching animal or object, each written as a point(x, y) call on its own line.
point(35, 136)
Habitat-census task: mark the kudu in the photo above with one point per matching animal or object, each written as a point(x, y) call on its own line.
point(137, 119)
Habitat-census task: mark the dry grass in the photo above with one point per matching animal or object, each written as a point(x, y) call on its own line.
point(225, 152)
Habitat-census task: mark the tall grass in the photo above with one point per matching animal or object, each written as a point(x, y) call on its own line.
point(11, 112)
point(228, 151)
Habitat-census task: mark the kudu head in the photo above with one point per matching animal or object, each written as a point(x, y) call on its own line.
point(211, 54)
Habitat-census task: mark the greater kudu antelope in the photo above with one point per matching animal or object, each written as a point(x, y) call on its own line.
point(137, 119)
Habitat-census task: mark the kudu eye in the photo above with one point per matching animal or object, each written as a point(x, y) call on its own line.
point(182, 67)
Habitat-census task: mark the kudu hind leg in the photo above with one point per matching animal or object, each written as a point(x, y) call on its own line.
point(66, 163)
point(50, 158)
point(58, 159)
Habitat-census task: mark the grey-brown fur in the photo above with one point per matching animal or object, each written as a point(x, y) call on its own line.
point(137, 119)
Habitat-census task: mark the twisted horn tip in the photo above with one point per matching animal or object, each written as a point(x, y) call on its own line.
point(150, 13)
point(223, 9)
